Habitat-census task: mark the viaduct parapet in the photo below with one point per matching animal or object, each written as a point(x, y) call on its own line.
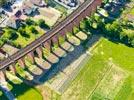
point(49, 38)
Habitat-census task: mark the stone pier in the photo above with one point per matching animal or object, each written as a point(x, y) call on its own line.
point(22, 62)
point(12, 68)
point(31, 57)
point(39, 52)
point(2, 76)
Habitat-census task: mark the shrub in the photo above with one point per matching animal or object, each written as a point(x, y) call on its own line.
point(30, 22)
point(42, 24)
point(9, 34)
point(33, 30)
point(23, 32)
point(1, 43)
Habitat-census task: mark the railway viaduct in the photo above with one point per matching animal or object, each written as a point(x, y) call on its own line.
point(52, 36)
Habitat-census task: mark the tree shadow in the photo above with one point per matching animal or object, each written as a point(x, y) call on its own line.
point(20, 89)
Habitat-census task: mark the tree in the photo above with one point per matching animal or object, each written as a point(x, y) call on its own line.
point(106, 1)
point(42, 24)
point(33, 30)
point(113, 29)
point(2, 2)
point(23, 32)
point(9, 35)
point(132, 43)
point(30, 21)
point(85, 24)
point(1, 43)
point(46, 1)
point(124, 37)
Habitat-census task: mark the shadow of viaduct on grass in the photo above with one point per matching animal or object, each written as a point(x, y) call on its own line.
point(71, 56)
point(55, 68)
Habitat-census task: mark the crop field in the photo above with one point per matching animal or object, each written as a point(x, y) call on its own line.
point(107, 75)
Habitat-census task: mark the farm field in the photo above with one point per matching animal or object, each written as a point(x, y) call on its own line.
point(107, 75)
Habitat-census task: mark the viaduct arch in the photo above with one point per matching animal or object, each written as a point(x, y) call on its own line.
point(52, 36)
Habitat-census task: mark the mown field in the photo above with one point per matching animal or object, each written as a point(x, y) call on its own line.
point(19, 89)
point(107, 75)
point(22, 92)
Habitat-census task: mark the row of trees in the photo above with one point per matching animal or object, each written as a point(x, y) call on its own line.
point(120, 29)
point(26, 30)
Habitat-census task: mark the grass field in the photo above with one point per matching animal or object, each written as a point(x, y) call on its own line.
point(20, 90)
point(100, 80)
point(23, 41)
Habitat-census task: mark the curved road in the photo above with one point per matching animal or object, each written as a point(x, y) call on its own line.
point(32, 46)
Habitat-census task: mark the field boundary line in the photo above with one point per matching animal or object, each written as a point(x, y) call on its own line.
point(98, 83)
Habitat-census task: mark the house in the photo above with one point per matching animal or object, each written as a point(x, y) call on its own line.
point(13, 22)
point(11, 1)
point(70, 3)
point(40, 3)
point(28, 7)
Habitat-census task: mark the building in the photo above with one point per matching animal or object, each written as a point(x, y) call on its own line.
point(13, 22)
point(40, 3)
point(28, 7)
point(70, 3)
point(19, 8)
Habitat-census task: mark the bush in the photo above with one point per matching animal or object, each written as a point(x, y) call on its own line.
point(75, 30)
point(33, 30)
point(23, 32)
point(9, 35)
point(42, 24)
point(17, 45)
point(30, 22)
point(1, 43)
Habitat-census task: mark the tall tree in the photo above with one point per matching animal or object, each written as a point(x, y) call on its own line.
point(2, 2)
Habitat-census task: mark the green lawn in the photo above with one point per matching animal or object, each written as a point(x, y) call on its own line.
point(121, 54)
point(31, 94)
point(85, 84)
point(23, 91)
point(87, 79)
point(24, 41)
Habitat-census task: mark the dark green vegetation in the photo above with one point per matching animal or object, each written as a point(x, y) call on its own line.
point(3, 2)
point(42, 24)
point(118, 29)
point(2, 96)
point(27, 32)
point(98, 76)
point(23, 91)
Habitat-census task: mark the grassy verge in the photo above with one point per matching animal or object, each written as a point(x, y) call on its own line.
point(95, 68)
